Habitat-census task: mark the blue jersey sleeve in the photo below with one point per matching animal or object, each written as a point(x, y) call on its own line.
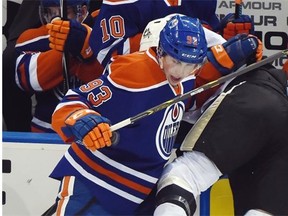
point(118, 22)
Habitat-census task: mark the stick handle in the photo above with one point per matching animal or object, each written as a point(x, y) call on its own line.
point(121, 124)
point(238, 8)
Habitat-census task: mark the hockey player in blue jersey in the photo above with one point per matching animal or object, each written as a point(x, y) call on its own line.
point(103, 179)
point(120, 23)
point(39, 68)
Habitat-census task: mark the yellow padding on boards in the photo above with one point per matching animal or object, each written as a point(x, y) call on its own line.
point(221, 199)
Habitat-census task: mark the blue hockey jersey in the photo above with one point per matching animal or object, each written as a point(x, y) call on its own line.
point(120, 23)
point(124, 174)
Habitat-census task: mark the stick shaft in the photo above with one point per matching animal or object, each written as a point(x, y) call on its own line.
point(198, 90)
point(51, 210)
point(238, 8)
point(66, 77)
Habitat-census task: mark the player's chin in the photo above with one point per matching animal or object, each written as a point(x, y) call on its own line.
point(174, 81)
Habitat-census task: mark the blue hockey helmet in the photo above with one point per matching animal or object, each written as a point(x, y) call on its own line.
point(183, 38)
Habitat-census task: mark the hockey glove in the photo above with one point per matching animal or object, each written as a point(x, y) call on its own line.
point(89, 128)
point(70, 36)
point(236, 52)
point(230, 26)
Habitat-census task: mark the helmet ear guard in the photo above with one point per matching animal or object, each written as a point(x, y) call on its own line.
point(183, 38)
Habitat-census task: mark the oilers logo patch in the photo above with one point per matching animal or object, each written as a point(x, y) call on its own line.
point(168, 129)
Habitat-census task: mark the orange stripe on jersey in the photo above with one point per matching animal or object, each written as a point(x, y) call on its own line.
point(128, 183)
point(173, 3)
point(118, 2)
point(136, 70)
point(63, 194)
point(24, 81)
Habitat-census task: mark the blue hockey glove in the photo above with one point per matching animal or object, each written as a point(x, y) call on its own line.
point(230, 26)
point(89, 128)
point(237, 51)
point(70, 36)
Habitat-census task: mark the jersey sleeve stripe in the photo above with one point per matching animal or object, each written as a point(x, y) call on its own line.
point(118, 2)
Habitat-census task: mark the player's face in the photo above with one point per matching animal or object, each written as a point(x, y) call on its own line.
point(176, 70)
point(51, 12)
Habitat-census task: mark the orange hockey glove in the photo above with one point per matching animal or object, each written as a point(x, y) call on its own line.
point(70, 36)
point(89, 128)
point(230, 26)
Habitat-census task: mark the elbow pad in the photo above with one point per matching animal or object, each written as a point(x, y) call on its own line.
point(178, 196)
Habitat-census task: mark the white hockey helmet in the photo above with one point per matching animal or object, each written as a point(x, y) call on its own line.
point(150, 36)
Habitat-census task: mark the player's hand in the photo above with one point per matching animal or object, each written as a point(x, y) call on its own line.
point(237, 51)
point(70, 36)
point(259, 51)
point(230, 26)
point(88, 127)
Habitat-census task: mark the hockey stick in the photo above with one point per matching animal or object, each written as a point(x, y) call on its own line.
point(66, 78)
point(191, 93)
point(51, 210)
point(198, 90)
point(66, 86)
point(238, 8)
